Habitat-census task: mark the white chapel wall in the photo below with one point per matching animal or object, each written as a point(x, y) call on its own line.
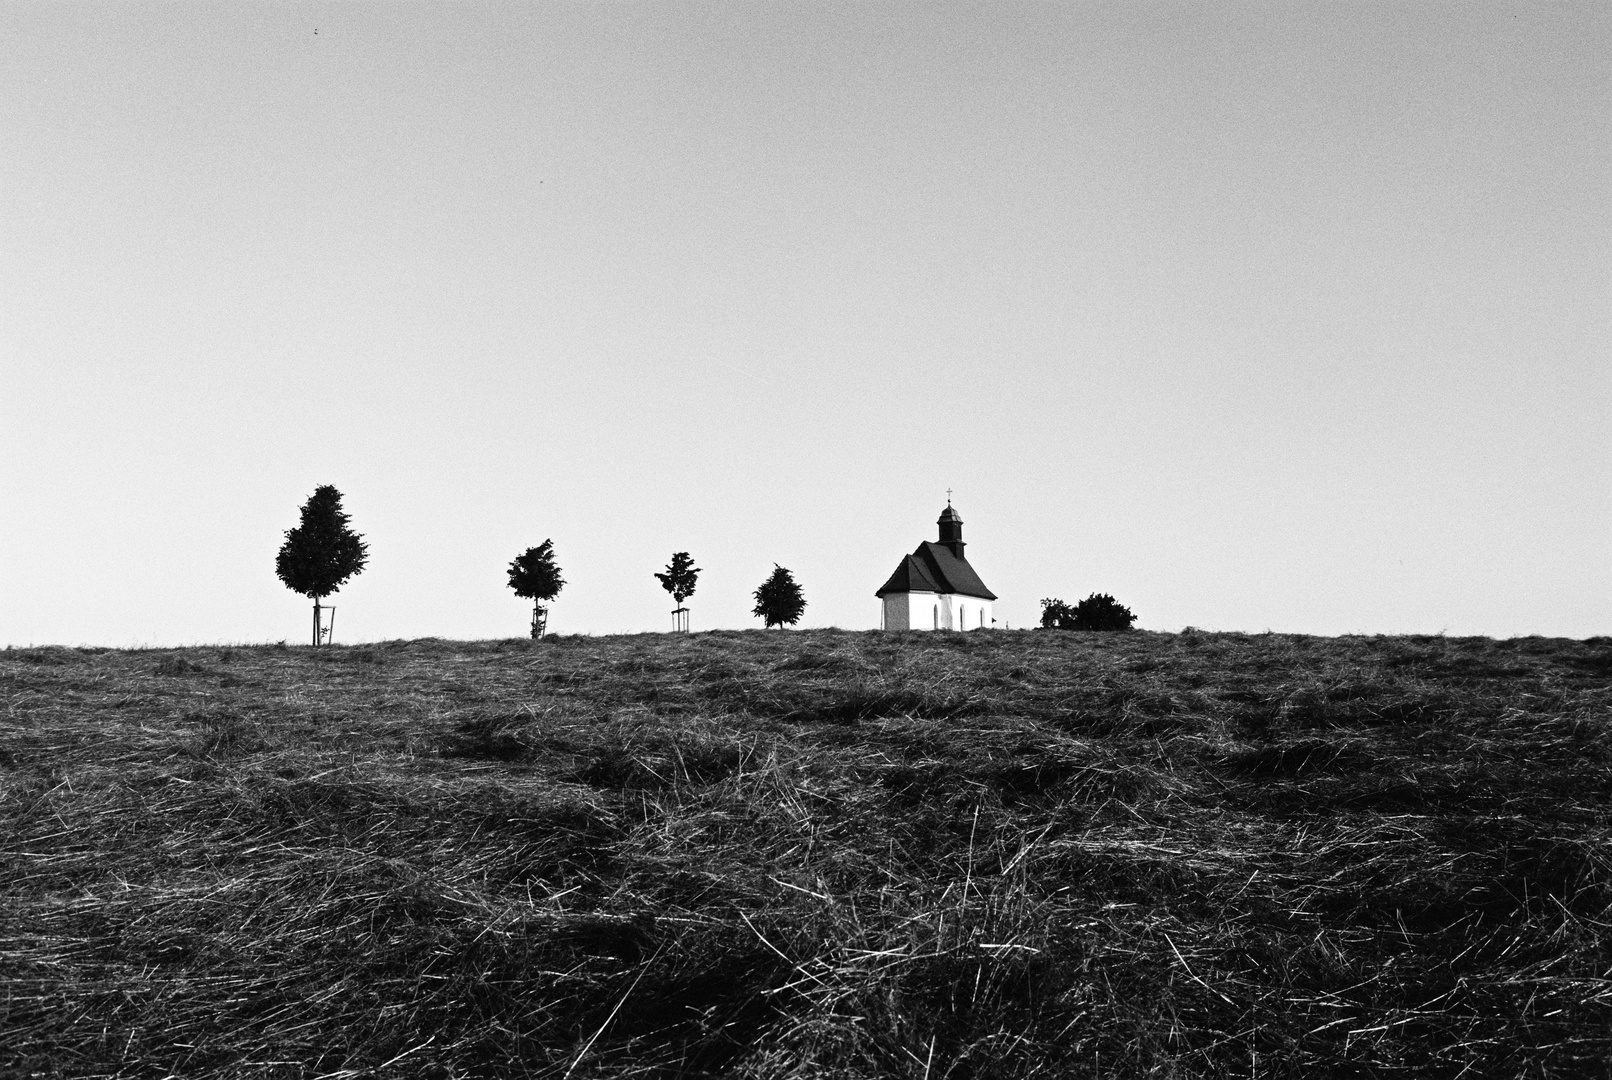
point(958, 612)
point(935, 611)
point(970, 613)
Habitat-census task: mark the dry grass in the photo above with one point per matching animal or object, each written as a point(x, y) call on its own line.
point(810, 854)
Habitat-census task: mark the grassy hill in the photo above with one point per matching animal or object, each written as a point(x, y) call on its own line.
point(810, 854)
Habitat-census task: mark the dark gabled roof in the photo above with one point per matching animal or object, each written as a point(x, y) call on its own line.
point(954, 570)
point(911, 576)
point(933, 568)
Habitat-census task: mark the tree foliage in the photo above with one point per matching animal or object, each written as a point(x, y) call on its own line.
point(321, 553)
point(680, 577)
point(1099, 611)
point(1056, 615)
point(779, 601)
point(533, 574)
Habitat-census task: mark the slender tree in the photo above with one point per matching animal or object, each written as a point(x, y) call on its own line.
point(679, 579)
point(779, 601)
point(321, 553)
point(534, 577)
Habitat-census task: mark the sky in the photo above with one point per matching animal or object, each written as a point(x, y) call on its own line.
point(1256, 316)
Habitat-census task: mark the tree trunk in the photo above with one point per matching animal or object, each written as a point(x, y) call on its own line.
point(316, 622)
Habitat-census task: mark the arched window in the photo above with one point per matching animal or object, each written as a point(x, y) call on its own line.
point(937, 616)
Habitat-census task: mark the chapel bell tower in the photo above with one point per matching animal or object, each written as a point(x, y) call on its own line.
point(951, 530)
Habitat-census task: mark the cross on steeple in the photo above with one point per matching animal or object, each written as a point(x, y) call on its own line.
point(948, 496)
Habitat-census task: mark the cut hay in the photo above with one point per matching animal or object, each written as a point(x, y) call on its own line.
point(810, 854)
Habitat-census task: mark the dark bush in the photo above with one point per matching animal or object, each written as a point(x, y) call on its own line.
point(1056, 615)
point(1099, 611)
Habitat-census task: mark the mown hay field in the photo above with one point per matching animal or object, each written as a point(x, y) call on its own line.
point(824, 853)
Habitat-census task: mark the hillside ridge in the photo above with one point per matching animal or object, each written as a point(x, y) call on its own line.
point(812, 853)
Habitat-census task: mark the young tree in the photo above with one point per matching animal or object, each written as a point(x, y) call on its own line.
point(679, 579)
point(779, 600)
point(321, 553)
point(534, 577)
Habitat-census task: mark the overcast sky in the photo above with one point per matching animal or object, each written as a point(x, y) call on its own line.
point(1257, 316)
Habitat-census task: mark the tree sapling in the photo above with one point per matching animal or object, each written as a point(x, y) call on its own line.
point(321, 553)
point(534, 577)
point(679, 580)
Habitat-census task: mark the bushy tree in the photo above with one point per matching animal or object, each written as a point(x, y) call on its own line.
point(779, 601)
point(1099, 611)
point(679, 580)
point(535, 577)
point(321, 553)
point(1056, 615)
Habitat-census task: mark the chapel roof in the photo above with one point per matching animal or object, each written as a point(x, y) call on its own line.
point(935, 568)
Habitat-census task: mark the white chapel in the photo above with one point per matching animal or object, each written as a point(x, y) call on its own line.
point(934, 588)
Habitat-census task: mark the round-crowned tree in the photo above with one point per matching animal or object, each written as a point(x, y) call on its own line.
point(1056, 615)
point(779, 601)
point(321, 553)
point(1099, 611)
point(679, 580)
point(534, 576)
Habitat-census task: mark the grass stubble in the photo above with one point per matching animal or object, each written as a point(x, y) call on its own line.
point(809, 854)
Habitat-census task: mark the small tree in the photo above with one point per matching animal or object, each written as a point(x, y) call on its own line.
point(321, 553)
point(1099, 611)
point(1057, 615)
point(779, 601)
point(534, 577)
point(679, 579)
